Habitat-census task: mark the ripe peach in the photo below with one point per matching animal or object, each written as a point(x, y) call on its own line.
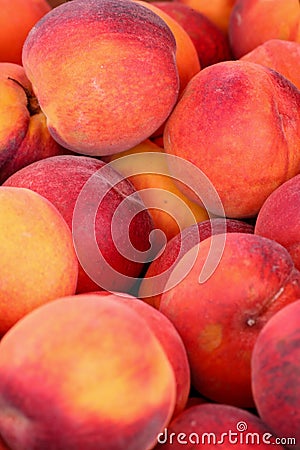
point(187, 60)
point(17, 18)
point(239, 123)
point(37, 262)
point(146, 167)
point(110, 86)
point(218, 11)
point(279, 217)
point(219, 319)
point(93, 191)
point(276, 374)
point(216, 425)
point(253, 22)
point(212, 45)
point(282, 56)
point(170, 341)
point(83, 373)
point(24, 137)
point(156, 277)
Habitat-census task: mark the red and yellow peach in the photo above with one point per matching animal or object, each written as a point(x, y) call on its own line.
point(83, 372)
point(110, 86)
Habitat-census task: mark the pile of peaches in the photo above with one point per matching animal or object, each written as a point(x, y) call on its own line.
point(149, 224)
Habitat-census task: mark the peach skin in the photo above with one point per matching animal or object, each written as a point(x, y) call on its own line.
point(279, 218)
point(151, 288)
point(170, 209)
point(24, 137)
point(212, 45)
point(219, 319)
point(218, 11)
point(110, 86)
point(38, 262)
point(83, 373)
point(169, 339)
point(276, 374)
point(253, 22)
point(80, 186)
point(17, 18)
point(188, 63)
point(282, 56)
point(239, 123)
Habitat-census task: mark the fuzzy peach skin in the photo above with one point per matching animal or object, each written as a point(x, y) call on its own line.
point(63, 180)
point(218, 11)
point(238, 122)
point(276, 374)
point(170, 341)
point(24, 137)
point(156, 277)
point(282, 56)
point(212, 45)
point(16, 20)
point(279, 217)
point(219, 319)
point(170, 209)
point(253, 22)
point(110, 85)
point(37, 259)
point(188, 63)
point(83, 373)
point(216, 425)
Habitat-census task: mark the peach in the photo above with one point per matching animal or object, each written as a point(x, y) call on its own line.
point(276, 374)
point(110, 86)
point(218, 11)
point(16, 20)
point(146, 167)
point(187, 60)
point(24, 137)
point(216, 425)
point(282, 56)
point(219, 318)
point(194, 400)
point(83, 373)
point(156, 277)
point(38, 262)
point(279, 217)
point(239, 123)
point(253, 22)
point(170, 341)
point(87, 193)
point(212, 45)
